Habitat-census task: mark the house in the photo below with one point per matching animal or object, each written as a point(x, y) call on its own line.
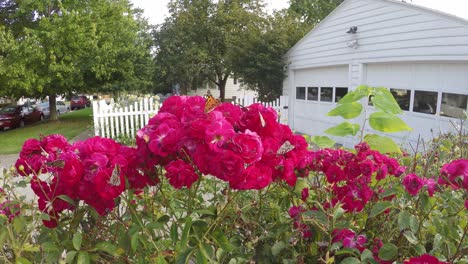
point(420, 54)
point(233, 89)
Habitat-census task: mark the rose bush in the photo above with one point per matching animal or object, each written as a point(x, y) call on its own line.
point(232, 185)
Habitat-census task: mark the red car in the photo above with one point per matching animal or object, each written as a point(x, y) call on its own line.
point(18, 116)
point(78, 102)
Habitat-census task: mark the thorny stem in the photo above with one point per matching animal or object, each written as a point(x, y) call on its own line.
point(455, 256)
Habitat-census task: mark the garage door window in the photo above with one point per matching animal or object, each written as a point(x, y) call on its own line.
point(403, 98)
point(326, 94)
point(425, 102)
point(312, 93)
point(453, 105)
point(340, 92)
point(300, 93)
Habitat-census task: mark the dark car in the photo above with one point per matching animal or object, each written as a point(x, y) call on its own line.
point(10, 117)
point(18, 116)
point(79, 102)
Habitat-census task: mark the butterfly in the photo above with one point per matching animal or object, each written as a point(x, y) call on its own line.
point(115, 177)
point(285, 148)
point(211, 103)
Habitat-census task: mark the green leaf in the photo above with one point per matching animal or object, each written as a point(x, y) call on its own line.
point(205, 212)
point(70, 256)
point(21, 260)
point(347, 111)
point(384, 101)
point(385, 122)
point(83, 258)
point(388, 252)
point(134, 242)
point(109, 248)
point(67, 199)
point(382, 144)
point(379, 208)
point(343, 129)
point(323, 141)
point(403, 220)
point(353, 96)
point(277, 248)
point(366, 255)
point(31, 248)
point(174, 233)
point(350, 260)
point(207, 251)
point(411, 237)
point(222, 241)
point(49, 246)
point(19, 223)
point(414, 224)
point(184, 256)
point(77, 239)
point(186, 232)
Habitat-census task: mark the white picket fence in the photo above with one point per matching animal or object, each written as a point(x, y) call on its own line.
point(280, 105)
point(112, 121)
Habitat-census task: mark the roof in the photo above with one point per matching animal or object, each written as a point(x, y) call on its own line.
point(394, 2)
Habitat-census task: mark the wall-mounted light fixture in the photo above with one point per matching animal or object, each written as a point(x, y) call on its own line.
point(352, 44)
point(352, 30)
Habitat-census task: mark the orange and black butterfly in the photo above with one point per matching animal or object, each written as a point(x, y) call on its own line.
point(211, 103)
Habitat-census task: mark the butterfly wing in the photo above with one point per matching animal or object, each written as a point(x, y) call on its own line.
point(211, 103)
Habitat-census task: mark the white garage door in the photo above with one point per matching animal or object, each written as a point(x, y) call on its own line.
point(315, 93)
point(431, 94)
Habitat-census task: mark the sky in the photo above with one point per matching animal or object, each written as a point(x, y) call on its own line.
point(156, 10)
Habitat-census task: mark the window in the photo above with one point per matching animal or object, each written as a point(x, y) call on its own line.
point(235, 80)
point(340, 92)
point(326, 94)
point(300, 93)
point(453, 105)
point(312, 93)
point(403, 97)
point(425, 102)
point(369, 100)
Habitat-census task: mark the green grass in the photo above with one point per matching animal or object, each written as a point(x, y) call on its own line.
point(69, 125)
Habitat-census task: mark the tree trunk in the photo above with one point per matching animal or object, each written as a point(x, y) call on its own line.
point(222, 87)
point(53, 107)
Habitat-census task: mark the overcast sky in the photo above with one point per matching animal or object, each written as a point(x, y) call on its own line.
point(156, 10)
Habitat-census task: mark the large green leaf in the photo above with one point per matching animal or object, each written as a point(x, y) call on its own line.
point(382, 144)
point(347, 111)
point(353, 96)
point(77, 239)
point(83, 258)
point(323, 141)
point(384, 101)
point(388, 252)
point(379, 208)
point(385, 122)
point(350, 260)
point(343, 129)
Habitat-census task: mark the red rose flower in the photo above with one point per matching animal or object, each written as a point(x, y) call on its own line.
point(180, 174)
point(413, 184)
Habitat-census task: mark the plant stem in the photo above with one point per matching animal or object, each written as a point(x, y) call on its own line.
point(218, 218)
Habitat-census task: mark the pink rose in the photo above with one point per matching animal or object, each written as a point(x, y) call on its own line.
point(180, 174)
point(413, 184)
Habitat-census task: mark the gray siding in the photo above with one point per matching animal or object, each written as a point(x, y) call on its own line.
point(387, 31)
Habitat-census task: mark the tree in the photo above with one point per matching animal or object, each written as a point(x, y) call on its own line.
point(198, 41)
point(78, 46)
point(260, 64)
point(313, 12)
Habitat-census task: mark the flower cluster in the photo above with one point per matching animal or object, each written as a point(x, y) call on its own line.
point(424, 259)
point(350, 174)
point(94, 171)
point(349, 239)
point(246, 147)
point(9, 209)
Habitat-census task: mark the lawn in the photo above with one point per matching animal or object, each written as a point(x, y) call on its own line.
point(70, 125)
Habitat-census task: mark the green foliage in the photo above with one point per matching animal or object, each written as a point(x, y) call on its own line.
point(74, 46)
point(312, 11)
point(383, 120)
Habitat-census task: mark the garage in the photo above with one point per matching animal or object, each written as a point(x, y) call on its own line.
point(317, 91)
point(419, 54)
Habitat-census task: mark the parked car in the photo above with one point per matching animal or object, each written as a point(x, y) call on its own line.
point(18, 116)
point(10, 117)
point(79, 102)
point(61, 108)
